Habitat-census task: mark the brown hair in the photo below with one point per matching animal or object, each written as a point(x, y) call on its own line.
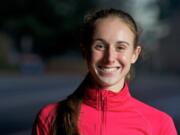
point(66, 122)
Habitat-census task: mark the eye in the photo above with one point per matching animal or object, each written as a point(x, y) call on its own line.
point(99, 46)
point(120, 47)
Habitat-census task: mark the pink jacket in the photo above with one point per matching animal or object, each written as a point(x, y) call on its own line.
point(106, 113)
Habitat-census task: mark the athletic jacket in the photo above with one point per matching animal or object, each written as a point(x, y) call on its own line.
point(103, 112)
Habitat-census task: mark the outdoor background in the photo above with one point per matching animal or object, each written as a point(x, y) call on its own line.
point(40, 59)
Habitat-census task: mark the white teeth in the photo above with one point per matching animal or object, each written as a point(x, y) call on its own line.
point(108, 69)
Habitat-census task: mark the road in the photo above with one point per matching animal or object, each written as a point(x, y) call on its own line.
point(22, 96)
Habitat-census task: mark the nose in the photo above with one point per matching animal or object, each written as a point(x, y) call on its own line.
point(109, 56)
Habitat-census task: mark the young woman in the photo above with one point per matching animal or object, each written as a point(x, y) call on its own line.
point(102, 105)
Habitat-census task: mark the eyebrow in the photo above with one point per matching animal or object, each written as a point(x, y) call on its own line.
point(104, 41)
point(100, 39)
point(123, 42)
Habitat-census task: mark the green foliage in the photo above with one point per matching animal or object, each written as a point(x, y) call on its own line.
point(43, 17)
point(53, 24)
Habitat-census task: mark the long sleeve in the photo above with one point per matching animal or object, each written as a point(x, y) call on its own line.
point(44, 120)
point(39, 127)
point(168, 127)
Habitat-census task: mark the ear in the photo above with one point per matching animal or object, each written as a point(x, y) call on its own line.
point(135, 55)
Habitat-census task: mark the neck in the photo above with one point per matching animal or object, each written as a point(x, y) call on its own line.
point(114, 88)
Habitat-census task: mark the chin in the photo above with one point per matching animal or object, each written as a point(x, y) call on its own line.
point(107, 82)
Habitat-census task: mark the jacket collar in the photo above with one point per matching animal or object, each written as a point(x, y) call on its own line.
point(106, 100)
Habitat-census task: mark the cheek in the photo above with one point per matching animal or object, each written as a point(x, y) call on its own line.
point(96, 57)
point(125, 58)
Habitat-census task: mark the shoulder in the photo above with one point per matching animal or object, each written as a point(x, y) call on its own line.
point(148, 110)
point(157, 119)
point(48, 112)
point(44, 119)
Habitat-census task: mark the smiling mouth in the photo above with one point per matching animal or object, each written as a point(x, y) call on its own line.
point(108, 69)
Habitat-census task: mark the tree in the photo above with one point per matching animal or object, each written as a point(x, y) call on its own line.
point(53, 24)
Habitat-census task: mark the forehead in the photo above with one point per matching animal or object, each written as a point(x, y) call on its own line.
point(112, 20)
point(113, 28)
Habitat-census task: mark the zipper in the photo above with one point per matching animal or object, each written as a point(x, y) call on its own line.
point(102, 108)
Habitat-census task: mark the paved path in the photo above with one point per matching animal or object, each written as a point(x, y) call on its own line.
point(22, 96)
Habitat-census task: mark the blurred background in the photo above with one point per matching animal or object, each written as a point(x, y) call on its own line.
point(40, 59)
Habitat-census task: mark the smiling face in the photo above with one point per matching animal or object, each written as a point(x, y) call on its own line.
point(111, 53)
